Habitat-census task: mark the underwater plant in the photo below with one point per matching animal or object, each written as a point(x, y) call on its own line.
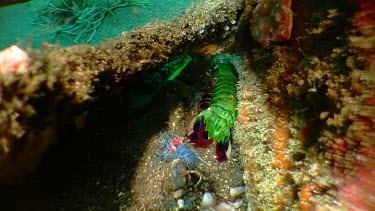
point(173, 68)
point(81, 18)
point(178, 65)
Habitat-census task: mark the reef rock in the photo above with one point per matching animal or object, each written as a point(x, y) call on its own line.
point(272, 21)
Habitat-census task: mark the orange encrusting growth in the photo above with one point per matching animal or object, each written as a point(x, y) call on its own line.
point(282, 162)
point(284, 199)
point(279, 182)
point(280, 145)
point(305, 196)
point(209, 50)
point(247, 92)
point(243, 110)
point(243, 115)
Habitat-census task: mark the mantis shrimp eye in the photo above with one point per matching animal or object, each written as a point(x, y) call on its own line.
point(198, 125)
point(205, 136)
point(193, 137)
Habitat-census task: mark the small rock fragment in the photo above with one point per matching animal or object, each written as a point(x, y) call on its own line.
point(177, 194)
point(208, 200)
point(235, 192)
point(224, 207)
point(180, 203)
point(237, 204)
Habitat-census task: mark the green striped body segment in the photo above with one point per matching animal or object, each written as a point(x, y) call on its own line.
point(220, 116)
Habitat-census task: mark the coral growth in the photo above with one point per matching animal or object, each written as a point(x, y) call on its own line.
point(322, 85)
point(269, 146)
point(272, 21)
point(209, 50)
point(357, 193)
point(13, 59)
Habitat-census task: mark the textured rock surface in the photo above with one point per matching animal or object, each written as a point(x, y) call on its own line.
point(64, 78)
point(304, 133)
point(272, 21)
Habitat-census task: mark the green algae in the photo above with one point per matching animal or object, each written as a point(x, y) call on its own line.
point(175, 67)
